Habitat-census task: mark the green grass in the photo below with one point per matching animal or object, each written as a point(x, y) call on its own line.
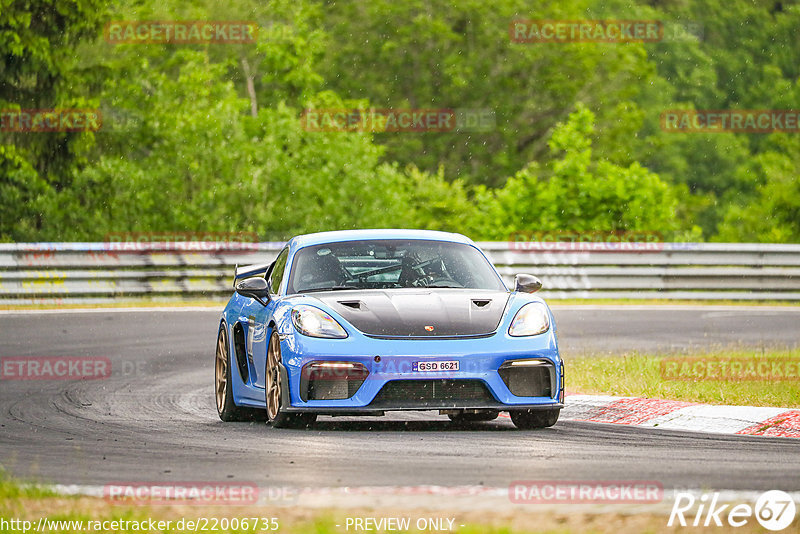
point(13, 491)
point(640, 375)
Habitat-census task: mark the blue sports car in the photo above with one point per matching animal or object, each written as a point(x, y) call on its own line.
point(366, 321)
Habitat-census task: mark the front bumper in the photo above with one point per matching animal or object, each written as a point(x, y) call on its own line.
point(388, 382)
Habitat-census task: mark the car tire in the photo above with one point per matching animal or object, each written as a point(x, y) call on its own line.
point(464, 417)
point(273, 391)
point(223, 392)
point(532, 419)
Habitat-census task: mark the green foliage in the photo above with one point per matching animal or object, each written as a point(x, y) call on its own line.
point(577, 191)
point(778, 196)
point(202, 163)
point(39, 70)
point(23, 195)
point(459, 55)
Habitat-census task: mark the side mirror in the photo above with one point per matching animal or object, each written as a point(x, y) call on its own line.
point(255, 288)
point(527, 283)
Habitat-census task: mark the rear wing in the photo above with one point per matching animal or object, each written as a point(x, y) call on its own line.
point(248, 271)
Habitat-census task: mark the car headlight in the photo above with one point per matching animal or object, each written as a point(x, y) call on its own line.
point(530, 320)
point(314, 322)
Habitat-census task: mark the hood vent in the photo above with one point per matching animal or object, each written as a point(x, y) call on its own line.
point(481, 303)
point(353, 304)
point(405, 313)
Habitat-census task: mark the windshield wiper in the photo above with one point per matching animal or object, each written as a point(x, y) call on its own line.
point(444, 286)
point(333, 288)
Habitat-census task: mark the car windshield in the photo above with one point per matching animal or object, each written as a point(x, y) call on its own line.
point(385, 264)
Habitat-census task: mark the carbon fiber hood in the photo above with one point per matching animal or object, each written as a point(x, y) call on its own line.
point(420, 313)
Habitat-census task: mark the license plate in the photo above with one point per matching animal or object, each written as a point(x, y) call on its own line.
point(432, 367)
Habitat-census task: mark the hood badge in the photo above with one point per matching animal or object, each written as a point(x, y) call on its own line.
point(429, 328)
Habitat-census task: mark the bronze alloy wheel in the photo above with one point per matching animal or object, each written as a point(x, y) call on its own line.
point(221, 370)
point(273, 377)
point(226, 407)
point(274, 391)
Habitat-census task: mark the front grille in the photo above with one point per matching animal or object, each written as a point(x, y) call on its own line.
point(318, 382)
point(529, 381)
point(441, 393)
point(333, 389)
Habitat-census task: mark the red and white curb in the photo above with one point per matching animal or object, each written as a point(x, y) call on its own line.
point(678, 415)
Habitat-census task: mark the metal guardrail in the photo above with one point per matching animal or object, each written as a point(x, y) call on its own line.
point(707, 271)
point(101, 272)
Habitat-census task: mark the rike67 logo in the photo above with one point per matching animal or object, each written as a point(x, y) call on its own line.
point(774, 510)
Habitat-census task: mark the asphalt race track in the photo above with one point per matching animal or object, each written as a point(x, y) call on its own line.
point(154, 419)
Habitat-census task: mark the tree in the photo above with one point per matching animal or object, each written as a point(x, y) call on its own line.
point(772, 215)
point(577, 191)
point(39, 70)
